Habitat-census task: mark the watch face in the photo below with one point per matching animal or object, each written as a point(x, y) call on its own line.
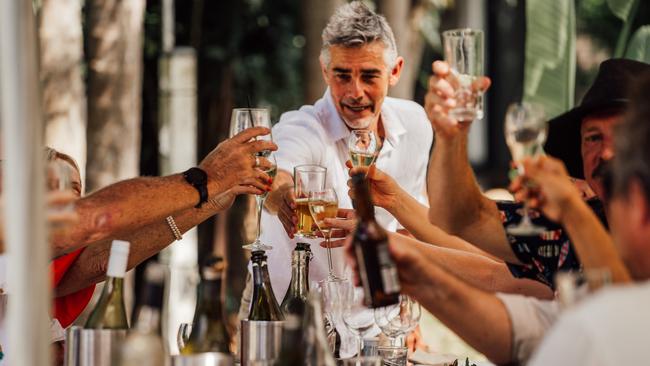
point(196, 176)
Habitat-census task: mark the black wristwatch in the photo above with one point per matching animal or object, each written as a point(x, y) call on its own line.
point(198, 179)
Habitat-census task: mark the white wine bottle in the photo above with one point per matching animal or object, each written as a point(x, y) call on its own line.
point(296, 296)
point(110, 312)
point(264, 305)
point(144, 345)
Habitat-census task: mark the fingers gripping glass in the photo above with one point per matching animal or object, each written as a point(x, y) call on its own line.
point(525, 131)
point(464, 53)
point(363, 147)
point(306, 178)
point(324, 205)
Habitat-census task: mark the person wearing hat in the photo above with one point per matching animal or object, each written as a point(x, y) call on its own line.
point(516, 323)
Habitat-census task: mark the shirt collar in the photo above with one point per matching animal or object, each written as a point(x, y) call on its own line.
point(337, 129)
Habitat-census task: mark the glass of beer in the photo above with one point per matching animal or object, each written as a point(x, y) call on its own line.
point(306, 178)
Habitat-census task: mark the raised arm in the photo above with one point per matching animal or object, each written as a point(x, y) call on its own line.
point(120, 208)
point(456, 203)
point(90, 267)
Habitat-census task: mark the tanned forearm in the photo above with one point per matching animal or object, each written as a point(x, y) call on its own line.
point(591, 241)
point(91, 265)
point(124, 206)
point(456, 203)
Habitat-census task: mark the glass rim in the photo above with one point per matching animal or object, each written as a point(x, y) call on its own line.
point(462, 32)
point(250, 109)
point(309, 168)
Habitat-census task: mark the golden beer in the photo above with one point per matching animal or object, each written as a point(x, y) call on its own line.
point(305, 221)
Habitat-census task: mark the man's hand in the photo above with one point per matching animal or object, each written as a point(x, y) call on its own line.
point(342, 226)
point(234, 162)
point(440, 98)
point(546, 185)
point(383, 188)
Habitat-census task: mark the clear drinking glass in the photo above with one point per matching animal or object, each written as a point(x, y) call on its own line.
point(357, 317)
point(306, 178)
point(393, 355)
point(464, 52)
point(361, 361)
point(525, 130)
point(337, 292)
point(244, 118)
point(397, 321)
point(240, 120)
point(271, 170)
point(324, 205)
point(363, 147)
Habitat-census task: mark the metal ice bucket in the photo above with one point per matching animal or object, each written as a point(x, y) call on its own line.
point(260, 341)
point(203, 359)
point(93, 347)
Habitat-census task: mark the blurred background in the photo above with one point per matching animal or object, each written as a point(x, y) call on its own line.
point(128, 86)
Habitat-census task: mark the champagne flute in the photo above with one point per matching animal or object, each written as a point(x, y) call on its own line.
point(464, 53)
point(324, 205)
point(306, 178)
point(245, 118)
point(271, 170)
point(356, 315)
point(525, 130)
point(363, 147)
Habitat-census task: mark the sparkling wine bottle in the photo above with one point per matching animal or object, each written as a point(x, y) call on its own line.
point(209, 332)
point(264, 305)
point(110, 312)
point(296, 296)
point(377, 269)
point(144, 345)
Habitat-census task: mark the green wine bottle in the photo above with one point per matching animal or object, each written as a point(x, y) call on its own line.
point(110, 312)
point(144, 345)
point(209, 332)
point(296, 296)
point(264, 305)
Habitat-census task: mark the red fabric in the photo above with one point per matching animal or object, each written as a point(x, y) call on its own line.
point(67, 308)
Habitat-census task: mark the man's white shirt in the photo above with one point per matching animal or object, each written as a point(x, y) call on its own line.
point(612, 328)
point(317, 135)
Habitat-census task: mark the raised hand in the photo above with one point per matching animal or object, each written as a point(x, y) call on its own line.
point(440, 99)
point(383, 188)
point(234, 161)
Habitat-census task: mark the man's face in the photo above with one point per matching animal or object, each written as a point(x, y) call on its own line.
point(597, 147)
point(359, 79)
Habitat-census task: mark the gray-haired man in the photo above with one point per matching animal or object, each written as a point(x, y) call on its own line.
point(359, 63)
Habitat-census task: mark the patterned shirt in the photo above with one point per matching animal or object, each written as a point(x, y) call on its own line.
point(542, 255)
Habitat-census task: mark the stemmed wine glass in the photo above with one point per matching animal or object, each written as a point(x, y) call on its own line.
point(356, 316)
point(397, 321)
point(324, 205)
point(240, 120)
point(525, 130)
point(363, 147)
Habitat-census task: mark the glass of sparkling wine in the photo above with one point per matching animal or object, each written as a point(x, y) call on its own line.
point(363, 147)
point(244, 118)
point(525, 131)
point(324, 205)
point(306, 178)
point(464, 52)
point(271, 169)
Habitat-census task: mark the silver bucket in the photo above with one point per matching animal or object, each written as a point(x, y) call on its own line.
point(260, 341)
point(203, 359)
point(93, 347)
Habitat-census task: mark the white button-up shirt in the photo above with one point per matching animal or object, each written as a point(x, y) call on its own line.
point(317, 135)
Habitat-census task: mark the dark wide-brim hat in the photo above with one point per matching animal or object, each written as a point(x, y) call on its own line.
point(609, 91)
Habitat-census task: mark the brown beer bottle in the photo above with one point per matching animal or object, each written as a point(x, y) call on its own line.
point(377, 269)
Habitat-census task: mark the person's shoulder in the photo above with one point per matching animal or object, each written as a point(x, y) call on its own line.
point(301, 122)
point(411, 114)
point(618, 300)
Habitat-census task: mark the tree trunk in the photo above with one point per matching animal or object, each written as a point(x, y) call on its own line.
point(315, 14)
point(404, 18)
point(64, 95)
point(114, 89)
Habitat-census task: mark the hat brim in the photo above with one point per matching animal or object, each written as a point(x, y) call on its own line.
point(564, 142)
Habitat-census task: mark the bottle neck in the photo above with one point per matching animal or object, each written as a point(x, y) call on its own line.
point(209, 298)
point(114, 284)
point(300, 273)
point(363, 203)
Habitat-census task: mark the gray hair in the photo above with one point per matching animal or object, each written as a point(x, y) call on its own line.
point(632, 142)
point(354, 25)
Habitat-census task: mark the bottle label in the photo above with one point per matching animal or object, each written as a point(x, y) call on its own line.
point(389, 276)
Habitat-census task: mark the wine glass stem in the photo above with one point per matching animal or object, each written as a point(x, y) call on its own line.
point(360, 345)
point(260, 204)
point(526, 217)
point(329, 255)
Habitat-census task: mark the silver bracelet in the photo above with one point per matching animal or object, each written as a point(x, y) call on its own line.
point(174, 228)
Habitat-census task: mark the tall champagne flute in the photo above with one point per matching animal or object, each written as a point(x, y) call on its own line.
point(306, 178)
point(271, 170)
point(324, 205)
point(525, 130)
point(240, 120)
point(363, 147)
point(464, 53)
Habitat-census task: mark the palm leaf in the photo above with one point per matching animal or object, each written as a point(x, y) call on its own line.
point(621, 8)
point(549, 71)
point(639, 47)
point(626, 11)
